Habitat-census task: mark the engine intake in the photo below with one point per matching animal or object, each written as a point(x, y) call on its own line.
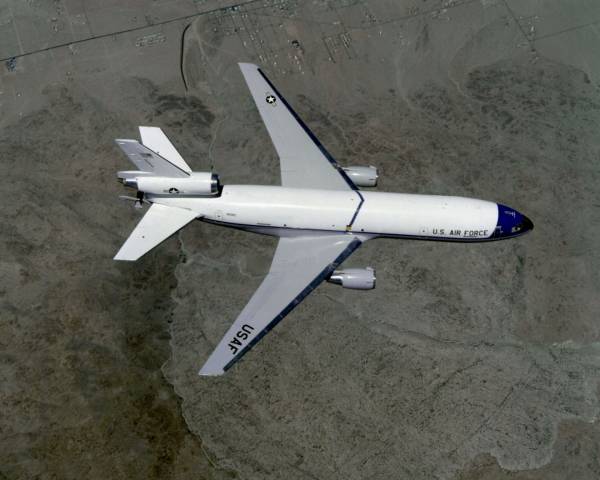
point(354, 278)
point(198, 183)
point(362, 176)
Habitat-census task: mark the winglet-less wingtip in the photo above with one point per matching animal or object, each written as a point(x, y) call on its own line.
point(206, 371)
point(247, 66)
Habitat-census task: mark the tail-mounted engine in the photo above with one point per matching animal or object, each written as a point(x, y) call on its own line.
point(197, 183)
point(354, 278)
point(362, 176)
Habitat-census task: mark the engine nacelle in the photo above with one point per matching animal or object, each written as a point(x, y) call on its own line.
point(362, 176)
point(198, 183)
point(354, 278)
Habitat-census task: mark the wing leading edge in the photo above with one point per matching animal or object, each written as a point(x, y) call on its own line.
point(299, 266)
point(304, 161)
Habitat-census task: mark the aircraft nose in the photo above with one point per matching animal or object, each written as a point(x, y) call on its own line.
point(511, 223)
point(527, 224)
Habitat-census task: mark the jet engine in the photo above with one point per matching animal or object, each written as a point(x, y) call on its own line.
point(354, 278)
point(197, 183)
point(362, 176)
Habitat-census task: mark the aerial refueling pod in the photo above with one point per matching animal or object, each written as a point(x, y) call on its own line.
point(354, 278)
point(362, 176)
point(197, 183)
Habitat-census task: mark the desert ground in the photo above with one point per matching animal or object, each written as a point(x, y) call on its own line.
point(467, 361)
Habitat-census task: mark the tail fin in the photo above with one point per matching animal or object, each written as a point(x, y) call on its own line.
point(155, 139)
point(157, 156)
point(159, 223)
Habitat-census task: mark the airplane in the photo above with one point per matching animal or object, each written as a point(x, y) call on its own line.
point(318, 213)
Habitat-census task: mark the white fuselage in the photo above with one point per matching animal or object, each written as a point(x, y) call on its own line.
point(282, 211)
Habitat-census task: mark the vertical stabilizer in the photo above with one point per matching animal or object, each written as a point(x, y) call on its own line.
point(155, 139)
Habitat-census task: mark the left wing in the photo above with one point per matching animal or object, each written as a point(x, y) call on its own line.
point(299, 266)
point(303, 160)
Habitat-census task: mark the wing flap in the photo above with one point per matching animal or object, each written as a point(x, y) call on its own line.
point(299, 266)
point(158, 224)
point(304, 161)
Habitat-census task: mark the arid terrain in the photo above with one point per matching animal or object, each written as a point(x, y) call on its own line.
point(466, 362)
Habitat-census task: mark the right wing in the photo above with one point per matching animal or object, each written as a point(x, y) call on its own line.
point(159, 223)
point(299, 266)
point(304, 161)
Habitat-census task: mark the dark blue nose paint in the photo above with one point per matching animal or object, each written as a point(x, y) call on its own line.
point(511, 223)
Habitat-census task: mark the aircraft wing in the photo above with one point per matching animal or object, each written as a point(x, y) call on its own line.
point(300, 264)
point(158, 224)
point(304, 161)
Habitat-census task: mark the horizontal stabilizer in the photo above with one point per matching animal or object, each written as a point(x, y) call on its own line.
point(148, 161)
point(157, 141)
point(159, 223)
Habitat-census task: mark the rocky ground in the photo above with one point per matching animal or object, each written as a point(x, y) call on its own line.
point(467, 361)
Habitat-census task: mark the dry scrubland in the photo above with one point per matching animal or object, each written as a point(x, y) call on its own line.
point(467, 361)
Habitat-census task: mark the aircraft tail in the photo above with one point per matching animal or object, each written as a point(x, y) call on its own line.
point(157, 155)
point(159, 223)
